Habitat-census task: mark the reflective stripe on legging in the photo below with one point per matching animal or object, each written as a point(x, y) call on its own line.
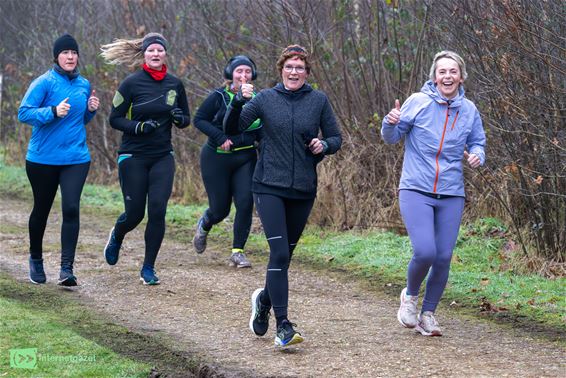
point(283, 221)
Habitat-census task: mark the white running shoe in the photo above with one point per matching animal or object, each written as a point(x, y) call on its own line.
point(407, 314)
point(427, 325)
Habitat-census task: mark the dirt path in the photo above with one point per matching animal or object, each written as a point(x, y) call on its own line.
point(203, 306)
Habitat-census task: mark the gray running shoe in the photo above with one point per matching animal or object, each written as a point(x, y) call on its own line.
point(199, 241)
point(407, 314)
point(427, 325)
point(239, 260)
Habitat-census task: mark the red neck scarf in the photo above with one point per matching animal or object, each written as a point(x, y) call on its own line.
point(156, 75)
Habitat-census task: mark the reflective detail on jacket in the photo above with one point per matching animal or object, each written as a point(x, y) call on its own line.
point(56, 141)
point(436, 133)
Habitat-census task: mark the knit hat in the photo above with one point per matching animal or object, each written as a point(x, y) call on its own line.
point(239, 60)
point(64, 42)
point(152, 38)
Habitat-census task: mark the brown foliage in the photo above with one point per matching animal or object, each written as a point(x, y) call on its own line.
point(365, 54)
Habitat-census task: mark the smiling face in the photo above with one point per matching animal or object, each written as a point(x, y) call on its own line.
point(68, 60)
point(447, 77)
point(240, 73)
point(154, 56)
point(293, 80)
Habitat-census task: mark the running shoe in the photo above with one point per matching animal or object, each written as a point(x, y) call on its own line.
point(199, 241)
point(259, 321)
point(286, 335)
point(407, 314)
point(238, 259)
point(148, 277)
point(112, 248)
point(427, 325)
point(66, 277)
point(36, 272)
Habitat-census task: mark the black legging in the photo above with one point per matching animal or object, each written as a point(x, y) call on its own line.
point(144, 178)
point(283, 221)
point(228, 176)
point(44, 180)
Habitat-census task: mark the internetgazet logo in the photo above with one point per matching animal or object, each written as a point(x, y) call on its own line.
point(23, 358)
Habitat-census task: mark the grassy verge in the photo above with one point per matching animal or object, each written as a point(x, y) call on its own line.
point(45, 333)
point(480, 281)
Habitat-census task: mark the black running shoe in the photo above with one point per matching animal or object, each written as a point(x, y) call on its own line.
point(259, 321)
point(66, 277)
point(36, 272)
point(286, 335)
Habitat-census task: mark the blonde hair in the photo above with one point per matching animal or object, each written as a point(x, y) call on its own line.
point(450, 55)
point(292, 51)
point(126, 51)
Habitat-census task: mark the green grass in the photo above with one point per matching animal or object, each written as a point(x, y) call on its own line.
point(72, 341)
point(28, 328)
point(480, 279)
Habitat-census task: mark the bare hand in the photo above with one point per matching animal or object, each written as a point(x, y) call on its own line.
point(63, 108)
point(226, 145)
point(316, 146)
point(473, 159)
point(395, 114)
point(247, 89)
point(93, 102)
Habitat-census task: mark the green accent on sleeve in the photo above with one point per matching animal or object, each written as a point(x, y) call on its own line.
point(171, 96)
point(256, 124)
point(118, 99)
point(129, 113)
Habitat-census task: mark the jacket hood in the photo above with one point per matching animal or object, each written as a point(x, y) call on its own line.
point(430, 89)
point(304, 89)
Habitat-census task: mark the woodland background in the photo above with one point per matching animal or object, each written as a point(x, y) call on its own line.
point(366, 53)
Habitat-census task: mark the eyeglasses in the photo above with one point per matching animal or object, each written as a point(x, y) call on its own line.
point(298, 69)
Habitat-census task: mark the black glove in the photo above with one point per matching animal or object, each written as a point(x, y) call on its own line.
point(146, 127)
point(178, 116)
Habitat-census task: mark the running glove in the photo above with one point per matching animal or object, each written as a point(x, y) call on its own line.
point(146, 127)
point(178, 116)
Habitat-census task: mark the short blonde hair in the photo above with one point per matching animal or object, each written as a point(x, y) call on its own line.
point(292, 51)
point(450, 55)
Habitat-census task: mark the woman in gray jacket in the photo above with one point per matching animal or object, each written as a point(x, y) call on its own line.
point(285, 180)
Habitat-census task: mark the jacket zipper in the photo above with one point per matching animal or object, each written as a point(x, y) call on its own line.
point(440, 146)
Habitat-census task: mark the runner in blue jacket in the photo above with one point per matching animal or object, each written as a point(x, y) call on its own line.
point(58, 105)
point(440, 127)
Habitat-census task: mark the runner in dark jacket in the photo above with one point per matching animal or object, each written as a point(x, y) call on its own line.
point(146, 106)
point(285, 180)
point(227, 162)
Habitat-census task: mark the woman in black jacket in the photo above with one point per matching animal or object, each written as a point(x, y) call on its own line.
point(146, 106)
point(284, 181)
point(227, 162)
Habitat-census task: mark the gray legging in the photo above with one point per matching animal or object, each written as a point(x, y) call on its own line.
point(433, 226)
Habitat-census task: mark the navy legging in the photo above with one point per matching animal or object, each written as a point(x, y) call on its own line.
point(432, 225)
point(228, 176)
point(45, 180)
point(283, 222)
point(141, 179)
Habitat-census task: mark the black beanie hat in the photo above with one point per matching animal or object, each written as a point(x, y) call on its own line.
point(151, 39)
point(239, 60)
point(64, 42)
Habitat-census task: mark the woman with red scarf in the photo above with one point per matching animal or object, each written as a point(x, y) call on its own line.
point(147, 104)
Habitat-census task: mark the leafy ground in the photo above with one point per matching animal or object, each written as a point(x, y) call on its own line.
point(200, 314)
point(344, 291)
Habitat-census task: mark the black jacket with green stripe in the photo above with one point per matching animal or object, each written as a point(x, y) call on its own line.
point(210, 115)
point(140, 98)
